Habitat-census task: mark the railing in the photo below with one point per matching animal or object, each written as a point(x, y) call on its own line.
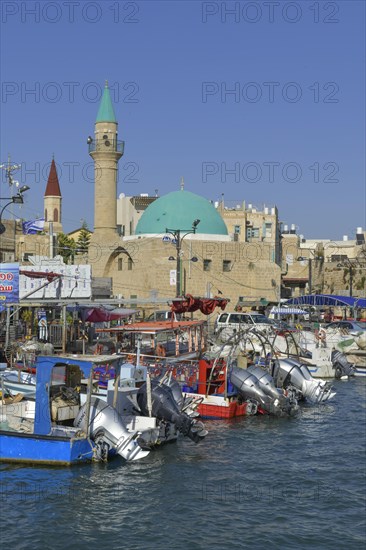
point(105, 145)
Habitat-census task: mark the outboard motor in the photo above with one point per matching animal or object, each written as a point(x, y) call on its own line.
point(289, 373)
point(107, 431)
point(165, 407)
point(249, 387)
point(340, 364)
point(187, 405)
point(288, 403)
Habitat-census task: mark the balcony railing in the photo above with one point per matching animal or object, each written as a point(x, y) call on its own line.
point(105, 145)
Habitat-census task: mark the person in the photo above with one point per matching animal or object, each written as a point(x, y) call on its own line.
point(320, 336)
point(160, 350)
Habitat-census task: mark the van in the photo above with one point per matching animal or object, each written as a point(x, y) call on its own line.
point(239, 321)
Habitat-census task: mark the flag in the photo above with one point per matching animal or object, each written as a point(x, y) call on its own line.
point(32, 227)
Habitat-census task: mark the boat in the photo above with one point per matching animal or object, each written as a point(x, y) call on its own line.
point(55, 428)
point(176, 340)
point(213, 394)
point(177, 349)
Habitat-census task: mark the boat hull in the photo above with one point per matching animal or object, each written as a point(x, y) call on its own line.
point(44, 449)
point(215, 407)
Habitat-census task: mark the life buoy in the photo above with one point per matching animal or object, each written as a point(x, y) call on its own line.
point(321, 335)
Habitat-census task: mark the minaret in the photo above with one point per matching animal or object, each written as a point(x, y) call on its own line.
point(105, 150)
point(52, 201)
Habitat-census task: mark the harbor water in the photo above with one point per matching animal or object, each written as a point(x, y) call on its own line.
point(254, 482)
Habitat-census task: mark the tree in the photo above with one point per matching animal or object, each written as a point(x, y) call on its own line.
point(82, 244)
point(65, 247)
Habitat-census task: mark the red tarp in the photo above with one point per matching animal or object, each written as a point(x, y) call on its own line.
point(205, 305)
point(50, 276)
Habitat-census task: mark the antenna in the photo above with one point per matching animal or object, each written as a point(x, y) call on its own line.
point(9, 168)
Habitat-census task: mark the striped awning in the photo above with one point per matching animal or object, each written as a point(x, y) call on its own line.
point(288, 311)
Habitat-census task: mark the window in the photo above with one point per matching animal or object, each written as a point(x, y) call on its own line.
point(237, 229)
point(55, 215)
point(119, 264)
point(129, 264)
point(267, 230)
point(252, 233)
point(226, 265)
point(207, 265)
point(45, 215)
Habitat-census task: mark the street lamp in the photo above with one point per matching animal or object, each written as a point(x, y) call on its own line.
point(178, 238)
point(16, 199)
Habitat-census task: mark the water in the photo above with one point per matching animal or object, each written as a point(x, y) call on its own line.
point(254, 482)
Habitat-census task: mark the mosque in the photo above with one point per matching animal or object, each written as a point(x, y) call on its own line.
point(179, 243)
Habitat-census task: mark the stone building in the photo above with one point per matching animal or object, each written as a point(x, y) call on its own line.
point(323, 265)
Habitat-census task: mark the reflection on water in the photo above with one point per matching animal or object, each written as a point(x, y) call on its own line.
point(253, 482)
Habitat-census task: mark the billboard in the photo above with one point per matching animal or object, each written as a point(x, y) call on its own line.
point(9, 284)
point(75, 282)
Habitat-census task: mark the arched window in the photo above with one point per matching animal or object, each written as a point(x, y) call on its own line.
point(55, 215)
point(45, 215)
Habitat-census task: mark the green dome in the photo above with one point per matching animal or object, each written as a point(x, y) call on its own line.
point(178, 210)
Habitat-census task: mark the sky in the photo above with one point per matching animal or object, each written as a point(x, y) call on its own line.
point(257, 101)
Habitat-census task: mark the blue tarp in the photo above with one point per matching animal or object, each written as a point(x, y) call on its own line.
point(327, 300)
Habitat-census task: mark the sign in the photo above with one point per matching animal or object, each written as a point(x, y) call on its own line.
point(9, 284)
point(173, 277)
point(42, 325)
point(75, 282)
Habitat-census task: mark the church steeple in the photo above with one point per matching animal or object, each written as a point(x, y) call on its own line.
point(52, 200)
point(53, 186)
point(106, 111)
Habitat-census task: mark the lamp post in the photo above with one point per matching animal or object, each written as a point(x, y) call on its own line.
point(16, 199)
point(310, 276)
point(178, 238)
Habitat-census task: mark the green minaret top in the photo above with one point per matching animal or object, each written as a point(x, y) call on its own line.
point(106, 111)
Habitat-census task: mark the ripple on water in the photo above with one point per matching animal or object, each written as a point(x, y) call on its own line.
point(253, 482)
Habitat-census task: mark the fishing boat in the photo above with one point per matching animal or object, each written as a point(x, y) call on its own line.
point(214, 395)
point(56, 428)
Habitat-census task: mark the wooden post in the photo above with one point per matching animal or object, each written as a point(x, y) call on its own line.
point(64, 328)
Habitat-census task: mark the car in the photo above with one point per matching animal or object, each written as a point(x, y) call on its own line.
point(237, 320)
point(349, 326)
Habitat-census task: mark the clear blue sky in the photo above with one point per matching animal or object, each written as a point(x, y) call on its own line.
point(292, 133)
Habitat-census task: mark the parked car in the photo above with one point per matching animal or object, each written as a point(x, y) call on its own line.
point(237, 320)
point(350, 326)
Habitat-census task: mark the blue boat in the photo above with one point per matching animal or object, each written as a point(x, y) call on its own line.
point(56, 428)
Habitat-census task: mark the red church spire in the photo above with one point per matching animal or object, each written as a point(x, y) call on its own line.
point(53, 186)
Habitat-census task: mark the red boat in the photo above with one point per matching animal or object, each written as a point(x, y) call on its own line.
point(216, 395)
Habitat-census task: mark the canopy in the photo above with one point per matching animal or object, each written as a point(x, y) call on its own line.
point(288, 311)
point(101, 313)
point(328, 300)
